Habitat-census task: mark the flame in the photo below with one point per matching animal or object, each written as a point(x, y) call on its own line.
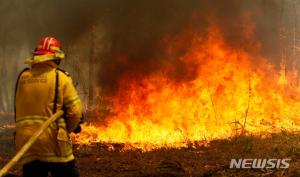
point(231, 92)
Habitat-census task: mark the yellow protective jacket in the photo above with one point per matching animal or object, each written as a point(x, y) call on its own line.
point(34, 104)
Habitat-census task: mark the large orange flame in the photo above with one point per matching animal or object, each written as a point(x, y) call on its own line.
point(233, 92)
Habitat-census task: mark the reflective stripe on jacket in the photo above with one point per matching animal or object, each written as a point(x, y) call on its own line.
point(34, 102)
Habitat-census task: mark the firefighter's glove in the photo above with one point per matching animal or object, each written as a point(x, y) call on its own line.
point(78, 128)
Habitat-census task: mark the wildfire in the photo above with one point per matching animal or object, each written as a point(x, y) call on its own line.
point(232, 92)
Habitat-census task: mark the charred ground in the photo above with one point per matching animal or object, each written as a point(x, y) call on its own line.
point(198, 159)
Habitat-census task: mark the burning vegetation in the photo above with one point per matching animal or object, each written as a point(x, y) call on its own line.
point(180, 86)
point(223, 91)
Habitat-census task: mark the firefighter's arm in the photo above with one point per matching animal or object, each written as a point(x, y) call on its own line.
point(72, 105)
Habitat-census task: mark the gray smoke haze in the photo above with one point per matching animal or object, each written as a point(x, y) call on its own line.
point(137, 27)
point(127, 34)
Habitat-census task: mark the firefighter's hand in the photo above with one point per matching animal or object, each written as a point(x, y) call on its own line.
point(77, 129)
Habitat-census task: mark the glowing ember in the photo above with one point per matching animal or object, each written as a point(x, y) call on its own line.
point(233, 92)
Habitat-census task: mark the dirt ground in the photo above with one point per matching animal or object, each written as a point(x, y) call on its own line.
point(212, 159)
point(199, 159)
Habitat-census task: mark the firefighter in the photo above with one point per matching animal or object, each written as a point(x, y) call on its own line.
point(42, 90)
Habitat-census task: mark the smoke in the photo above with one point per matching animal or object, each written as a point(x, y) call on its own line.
point(129, 35)
point(137, 29)
point(25, 22)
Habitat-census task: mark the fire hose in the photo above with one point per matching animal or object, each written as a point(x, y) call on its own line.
point(29, 143)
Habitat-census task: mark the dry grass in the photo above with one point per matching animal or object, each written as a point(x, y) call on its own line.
point(207, 160)
point(212, 159)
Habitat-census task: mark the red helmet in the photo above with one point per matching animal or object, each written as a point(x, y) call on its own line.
point(48, 45)
point(47, 49)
